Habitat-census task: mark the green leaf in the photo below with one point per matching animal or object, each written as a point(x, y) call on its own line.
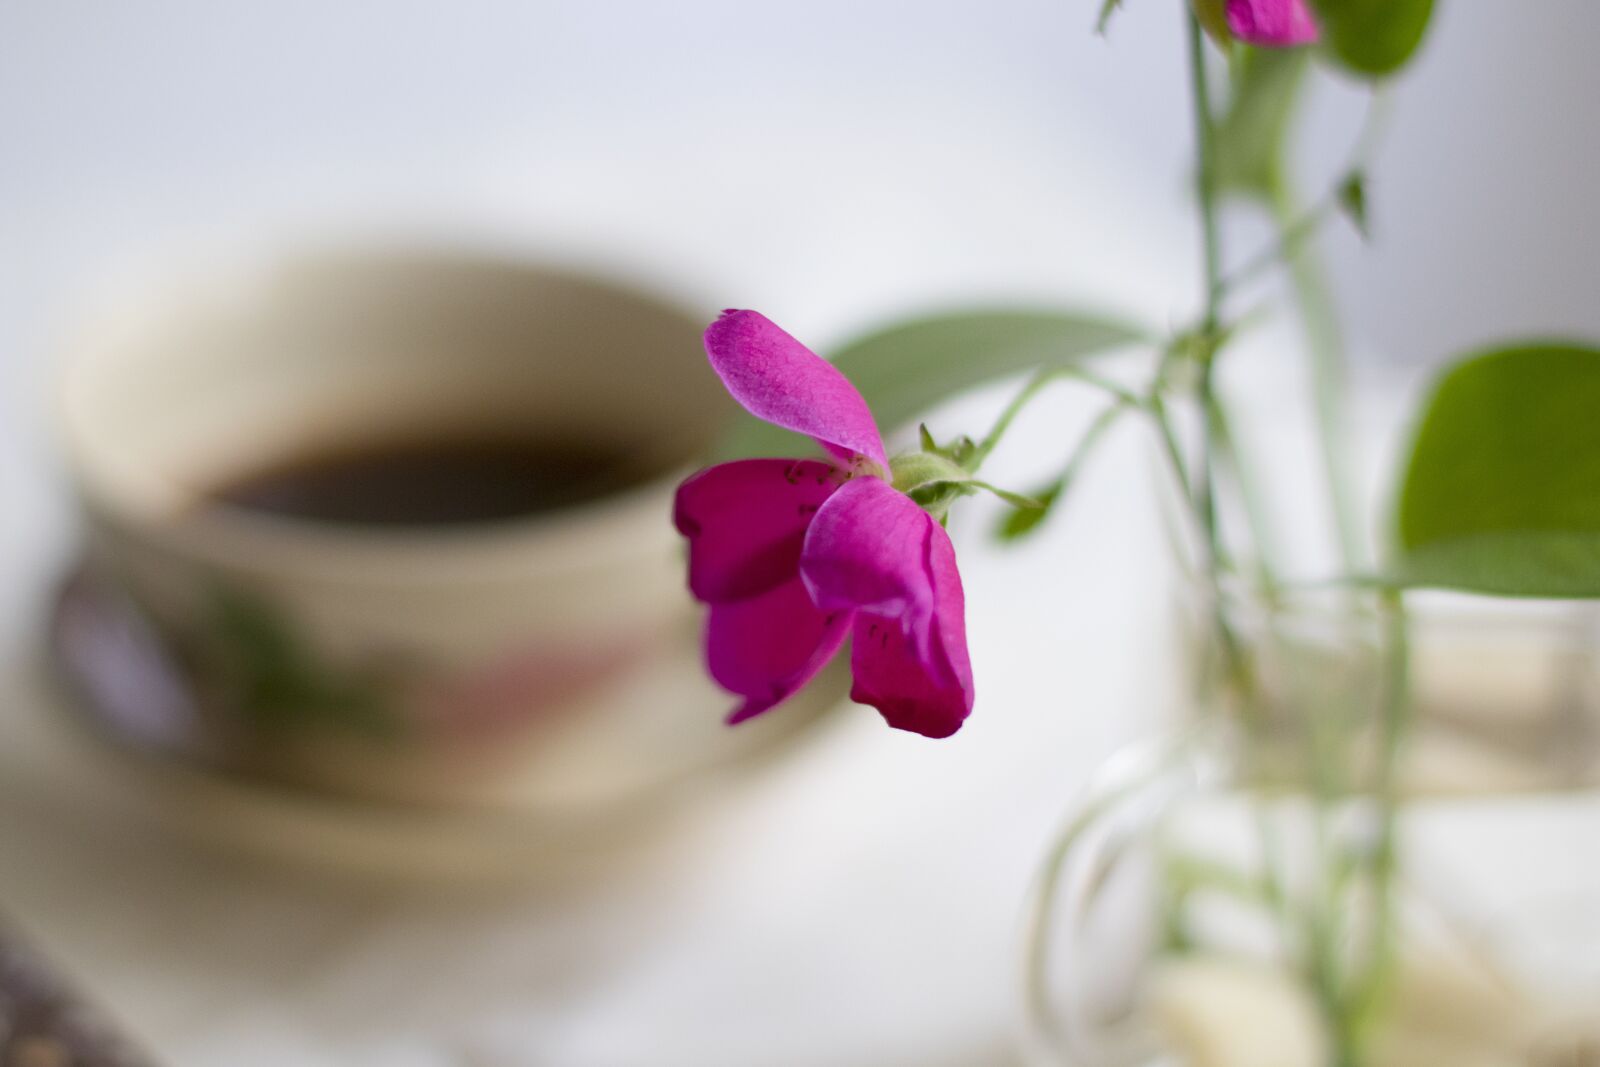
point(1250, 136)
point(1019, 522)
point(1502, 491)
point(1531, 564)
point(1016, 500)
point(1213, 18)
point(1352, 195)
point(1107, 9)
point(907, 369)
point(1373, 38)
point(938, 493)
point(1022, 522)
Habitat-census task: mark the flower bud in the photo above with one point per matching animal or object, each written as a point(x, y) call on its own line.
point(1268, 23)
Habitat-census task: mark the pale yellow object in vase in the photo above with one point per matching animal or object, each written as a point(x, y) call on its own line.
point(1221, 1011)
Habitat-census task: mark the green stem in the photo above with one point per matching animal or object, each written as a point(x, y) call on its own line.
point(1030, 391)
point(1394, 725)
point(1085, 447)
point(1286, 244)
point(1320, 932)
point(1007, 417)
point(1206, 179)
point(1203, 496)
point(1325, 343)
point(1293, 247)
point(1211, 257)
point(1232, 462)
point(1170, 447)
point(1105, 385)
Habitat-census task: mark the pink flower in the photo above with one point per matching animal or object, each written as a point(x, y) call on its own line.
point(794, 554)
point(1272, 23)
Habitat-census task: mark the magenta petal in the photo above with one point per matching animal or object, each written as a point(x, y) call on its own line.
point(864, 550)
point(1272, 23)
point(780, 380)
point(767, 648)
point(873, 550)
point(746, 521)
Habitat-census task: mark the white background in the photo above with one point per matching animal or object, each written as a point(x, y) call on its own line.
point(828, 161)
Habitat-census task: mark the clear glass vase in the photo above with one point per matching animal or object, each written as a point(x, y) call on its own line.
point(1341, 870)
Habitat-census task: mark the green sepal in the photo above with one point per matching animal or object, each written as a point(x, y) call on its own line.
point(912, 470)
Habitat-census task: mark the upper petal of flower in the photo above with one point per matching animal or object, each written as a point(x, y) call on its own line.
point(780, 380)
point(768, 647)
point(1273, 23)
point(746, 521)
point(873, 550)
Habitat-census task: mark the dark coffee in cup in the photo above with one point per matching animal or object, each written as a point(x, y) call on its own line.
point(427, 481)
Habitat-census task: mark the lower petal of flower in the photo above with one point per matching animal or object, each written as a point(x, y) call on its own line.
point(914, 668)
point(873, 551)
point(765, 649)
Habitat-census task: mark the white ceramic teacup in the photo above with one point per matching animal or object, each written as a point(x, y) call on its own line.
point(547, 659)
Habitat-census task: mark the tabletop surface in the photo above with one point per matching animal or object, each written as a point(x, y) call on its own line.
point(857, 902)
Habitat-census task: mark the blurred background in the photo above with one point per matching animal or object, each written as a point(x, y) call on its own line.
point(835, 163)
point(831, 164)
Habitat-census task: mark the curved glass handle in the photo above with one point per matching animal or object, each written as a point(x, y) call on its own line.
point(1122, 809)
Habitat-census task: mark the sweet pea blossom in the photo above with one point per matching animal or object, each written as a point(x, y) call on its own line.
point(793, 555)
point(1271, 23)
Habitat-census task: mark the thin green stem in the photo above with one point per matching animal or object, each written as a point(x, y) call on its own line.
point(1295, 230)
point(1105, 385)
point(1325, 343)
point(1294, 247)
point(1286, 244)
point(1239, 677)
point(1394, 725)
point(1035, 384)
point(1206, 178)
point(1007, 417)
point(1088, 442)
point(1231, 461)
point(1211, 257)
point(1170, 448)
point(1085, 448)
point(1203, 496)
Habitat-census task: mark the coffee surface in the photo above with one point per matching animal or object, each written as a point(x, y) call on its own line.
point(444, 481)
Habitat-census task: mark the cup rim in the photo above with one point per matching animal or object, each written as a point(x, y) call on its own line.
point(597, 532)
